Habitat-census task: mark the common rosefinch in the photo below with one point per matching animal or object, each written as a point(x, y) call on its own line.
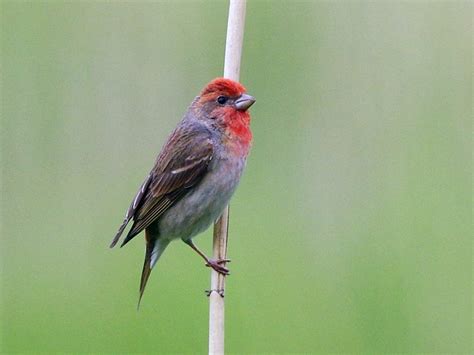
point(195, 174)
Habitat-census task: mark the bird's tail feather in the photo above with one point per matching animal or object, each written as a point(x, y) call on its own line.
point(154, 249)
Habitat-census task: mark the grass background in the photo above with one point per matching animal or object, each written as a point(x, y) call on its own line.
point(351, 229)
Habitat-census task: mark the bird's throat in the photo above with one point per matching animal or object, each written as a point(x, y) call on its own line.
point(238, 130)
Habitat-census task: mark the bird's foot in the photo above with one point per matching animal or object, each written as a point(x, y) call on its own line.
point(216, 265)
point(219, 292)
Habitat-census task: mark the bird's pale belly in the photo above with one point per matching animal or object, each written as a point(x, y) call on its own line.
point(198, 209)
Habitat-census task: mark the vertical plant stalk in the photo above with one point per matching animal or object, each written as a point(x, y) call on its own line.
point(233, 54)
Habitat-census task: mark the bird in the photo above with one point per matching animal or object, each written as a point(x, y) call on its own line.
point(194, 175)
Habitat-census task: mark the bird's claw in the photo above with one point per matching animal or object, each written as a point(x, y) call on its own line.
point(219, 292)
point(216, 265)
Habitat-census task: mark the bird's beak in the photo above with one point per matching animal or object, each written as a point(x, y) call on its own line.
point(244, 102)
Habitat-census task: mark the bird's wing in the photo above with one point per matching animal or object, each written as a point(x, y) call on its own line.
point(133, 207)
point(182, 164)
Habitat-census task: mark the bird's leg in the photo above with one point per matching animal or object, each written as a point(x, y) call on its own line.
point(215, 264)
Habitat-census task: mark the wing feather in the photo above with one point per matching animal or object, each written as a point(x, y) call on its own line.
point(131, 210)
point(181, 165)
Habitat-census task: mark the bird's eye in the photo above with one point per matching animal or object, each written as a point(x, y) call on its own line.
point(222, 100)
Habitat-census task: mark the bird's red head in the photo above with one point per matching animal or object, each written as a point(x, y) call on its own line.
point(222, 86)
point(225, 102)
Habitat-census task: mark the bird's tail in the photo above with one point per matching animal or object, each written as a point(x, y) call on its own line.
point(154, 248)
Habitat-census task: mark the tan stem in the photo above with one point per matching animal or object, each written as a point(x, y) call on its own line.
point(233, 54)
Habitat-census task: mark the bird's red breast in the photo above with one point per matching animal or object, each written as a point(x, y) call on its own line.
point(237, 125)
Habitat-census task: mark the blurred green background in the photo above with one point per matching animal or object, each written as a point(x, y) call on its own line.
point(350, 231)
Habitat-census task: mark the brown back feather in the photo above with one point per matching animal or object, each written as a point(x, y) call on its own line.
point(181, 164)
